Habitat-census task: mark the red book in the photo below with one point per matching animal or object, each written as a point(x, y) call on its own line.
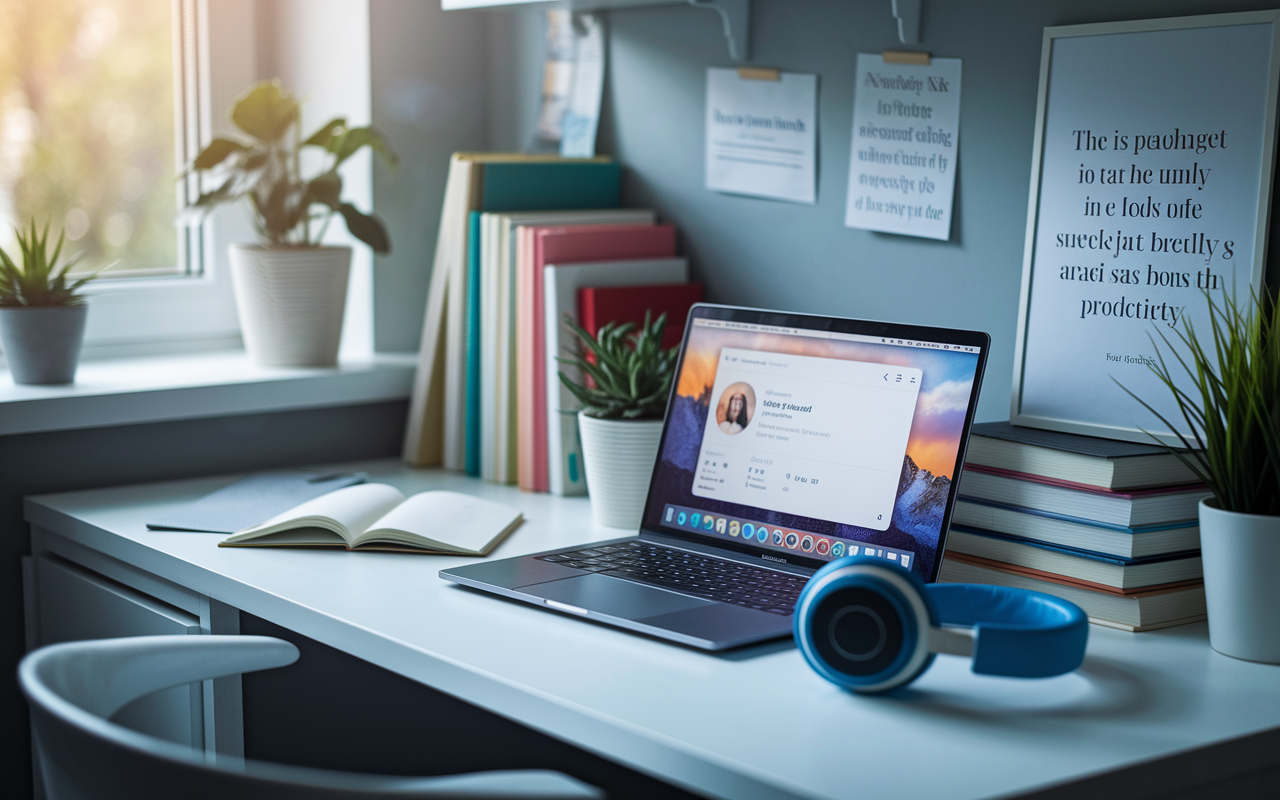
point(537, 247)
point(598, 306)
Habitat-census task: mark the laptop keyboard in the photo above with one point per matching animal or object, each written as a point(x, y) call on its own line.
point(689, 573)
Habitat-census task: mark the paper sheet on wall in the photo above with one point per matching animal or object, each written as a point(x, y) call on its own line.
point(906, 130)
point(582, 116)
point(761, 135)
point(572, 85)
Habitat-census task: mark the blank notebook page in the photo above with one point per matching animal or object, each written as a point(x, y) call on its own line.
point(460, 520)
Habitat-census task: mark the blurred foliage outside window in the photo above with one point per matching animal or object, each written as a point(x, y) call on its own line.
point(87, 128)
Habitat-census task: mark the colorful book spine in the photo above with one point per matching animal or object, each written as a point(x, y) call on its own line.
point(598, 306)
point(556, 245)
point(1128, 556)
point(472, 411)
point(561, 286)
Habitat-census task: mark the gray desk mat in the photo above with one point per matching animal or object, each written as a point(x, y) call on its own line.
point(253, 499)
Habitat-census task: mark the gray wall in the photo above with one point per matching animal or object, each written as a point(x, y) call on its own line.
point(430, 96)
point(779, 255)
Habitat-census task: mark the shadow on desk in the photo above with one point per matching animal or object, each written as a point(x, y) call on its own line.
point(1103, 688)
point(335, 711)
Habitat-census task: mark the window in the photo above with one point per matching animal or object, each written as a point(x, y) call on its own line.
point(100, 101)
point(87, 139)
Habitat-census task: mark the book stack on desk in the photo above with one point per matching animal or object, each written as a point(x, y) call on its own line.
point(521, 237)
point(1111, 526)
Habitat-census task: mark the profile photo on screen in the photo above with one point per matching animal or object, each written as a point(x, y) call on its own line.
point(736, 407)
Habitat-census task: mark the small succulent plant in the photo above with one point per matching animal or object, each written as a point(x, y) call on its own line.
point(626, 372)
point(36, 278)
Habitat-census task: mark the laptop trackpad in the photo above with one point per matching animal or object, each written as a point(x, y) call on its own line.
point(613, 596)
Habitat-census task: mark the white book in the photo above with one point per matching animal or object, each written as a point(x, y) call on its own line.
point(561, 283)
point(489, 261)
point(1092, 568)
point(498, 290)
point(1078, 533)
point(1133, 509)
point(424, 439)
point(375, 516)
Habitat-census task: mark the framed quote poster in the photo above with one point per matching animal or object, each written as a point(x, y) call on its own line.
point(1151, 182)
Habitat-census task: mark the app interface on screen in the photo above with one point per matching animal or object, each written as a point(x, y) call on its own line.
point(819, 437)
point(825, 444)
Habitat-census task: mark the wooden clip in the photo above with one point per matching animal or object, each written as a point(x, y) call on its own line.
point(759, 74)
point(905, 57)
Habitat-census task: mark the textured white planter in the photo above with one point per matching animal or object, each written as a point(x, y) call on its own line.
point(618, 457)
point(42, 343)
point(1241, 555)
point(291, 302)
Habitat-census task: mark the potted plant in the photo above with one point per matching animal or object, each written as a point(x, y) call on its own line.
point(42, 314)
point(1232, 408)
point(290, 290)
point(626, 377)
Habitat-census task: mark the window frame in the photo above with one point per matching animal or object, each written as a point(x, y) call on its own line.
point(194, 308)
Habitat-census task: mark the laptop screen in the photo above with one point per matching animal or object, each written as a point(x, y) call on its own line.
point(805, 438)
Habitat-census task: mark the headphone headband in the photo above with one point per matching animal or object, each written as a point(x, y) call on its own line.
point(1017, 632)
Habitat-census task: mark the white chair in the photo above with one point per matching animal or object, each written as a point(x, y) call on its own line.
point(73, 688)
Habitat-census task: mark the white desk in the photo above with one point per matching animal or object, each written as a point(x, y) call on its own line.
point(752, 724)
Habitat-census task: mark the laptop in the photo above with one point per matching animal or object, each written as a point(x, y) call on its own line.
point(790, 440)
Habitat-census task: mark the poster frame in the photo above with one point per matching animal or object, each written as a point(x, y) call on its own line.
point(1263, 208)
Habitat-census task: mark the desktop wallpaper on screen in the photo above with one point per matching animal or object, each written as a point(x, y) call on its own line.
point(923, 485)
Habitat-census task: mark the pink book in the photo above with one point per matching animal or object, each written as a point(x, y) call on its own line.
point(537, 247)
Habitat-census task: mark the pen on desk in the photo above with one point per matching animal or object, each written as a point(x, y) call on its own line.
point(332, 476)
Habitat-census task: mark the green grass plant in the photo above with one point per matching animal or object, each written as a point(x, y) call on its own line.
point(627, 373)
point(35, 278)
point(1232, 401)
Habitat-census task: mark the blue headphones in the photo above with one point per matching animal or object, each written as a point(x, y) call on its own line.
point(871, 626)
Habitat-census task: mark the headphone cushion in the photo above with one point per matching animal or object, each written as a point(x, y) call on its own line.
point(863, 624)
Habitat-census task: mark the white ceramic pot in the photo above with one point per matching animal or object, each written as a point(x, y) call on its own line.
point(618, 457)
point(1241, 555)
point(42, 343)
point(291, 302)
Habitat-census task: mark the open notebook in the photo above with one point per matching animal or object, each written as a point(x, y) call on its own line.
point(375, 516)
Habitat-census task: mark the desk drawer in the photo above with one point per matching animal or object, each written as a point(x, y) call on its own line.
point(75, 604)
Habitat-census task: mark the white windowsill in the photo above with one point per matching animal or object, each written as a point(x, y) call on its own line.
point(190, 386)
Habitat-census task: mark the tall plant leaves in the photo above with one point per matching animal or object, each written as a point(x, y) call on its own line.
point(346, 144)
point(266, 171)
point(366, 228)
point(1232, 406)
point(325, 134)
point(216, 152)
point(266, 111)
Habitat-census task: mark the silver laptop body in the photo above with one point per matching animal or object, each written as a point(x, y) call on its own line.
point(789, 440)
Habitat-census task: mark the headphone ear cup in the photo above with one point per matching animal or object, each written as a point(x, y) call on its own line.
point(862, 625)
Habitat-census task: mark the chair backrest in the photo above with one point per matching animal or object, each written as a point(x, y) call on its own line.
point(72, 688)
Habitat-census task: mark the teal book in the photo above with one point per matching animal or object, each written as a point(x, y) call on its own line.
point(550, 185)
point(472, 422)
point(522, 186)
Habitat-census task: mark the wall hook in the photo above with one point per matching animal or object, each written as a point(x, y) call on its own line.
point(736, 17)
point(907, 13)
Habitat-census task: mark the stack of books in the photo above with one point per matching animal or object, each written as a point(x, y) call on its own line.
point(1111, 526)
point(524, 241)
